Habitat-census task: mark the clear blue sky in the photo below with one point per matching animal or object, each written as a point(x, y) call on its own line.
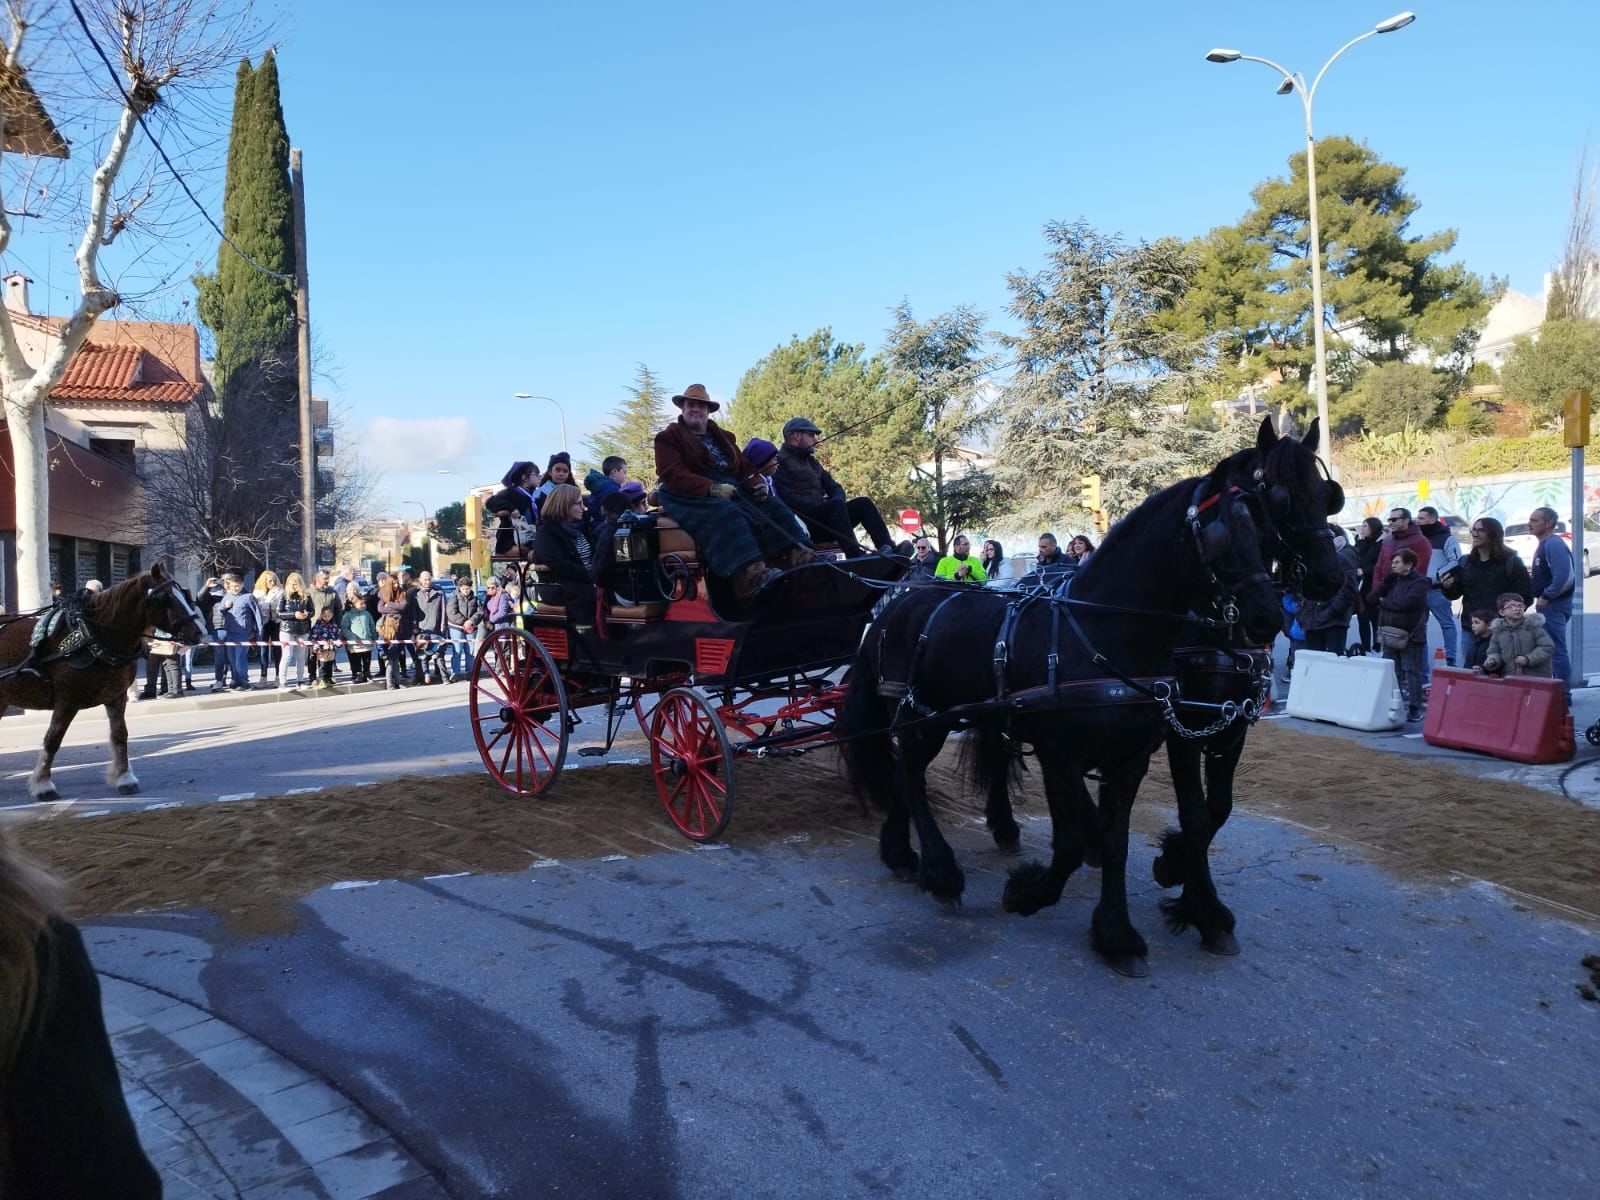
point(536, 198)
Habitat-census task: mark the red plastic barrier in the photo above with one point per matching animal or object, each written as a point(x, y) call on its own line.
point(1523, 719)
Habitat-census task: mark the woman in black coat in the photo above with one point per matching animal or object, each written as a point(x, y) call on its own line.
point(1486, 572)
point(1366, 561)
point(562, 551)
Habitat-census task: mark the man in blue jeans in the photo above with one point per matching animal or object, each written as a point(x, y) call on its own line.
point(1553, 580)
point(1446, 556)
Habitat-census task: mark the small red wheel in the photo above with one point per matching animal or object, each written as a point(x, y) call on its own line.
point(693, 764)
point(519, 712)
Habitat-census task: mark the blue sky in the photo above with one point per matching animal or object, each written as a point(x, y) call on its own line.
point(509, 197)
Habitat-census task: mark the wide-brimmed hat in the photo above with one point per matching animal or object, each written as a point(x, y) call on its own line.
point(758, 452)
point(800, 425)
point(696, 391)
point(509, 479)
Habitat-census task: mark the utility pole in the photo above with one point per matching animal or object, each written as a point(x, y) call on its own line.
point(302, 306)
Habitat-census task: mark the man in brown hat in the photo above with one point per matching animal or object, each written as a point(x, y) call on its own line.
point(707, 487)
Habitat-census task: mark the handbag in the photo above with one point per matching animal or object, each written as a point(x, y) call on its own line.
point(1392, 637)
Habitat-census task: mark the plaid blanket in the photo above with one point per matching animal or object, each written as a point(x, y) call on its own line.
point(730, 534)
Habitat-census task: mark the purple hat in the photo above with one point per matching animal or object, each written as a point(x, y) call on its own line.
point(633, 490)
point(758, 452)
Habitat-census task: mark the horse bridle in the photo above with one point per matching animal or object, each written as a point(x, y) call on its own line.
point(1223, 597)
point(170, 586)
point(1291, 560)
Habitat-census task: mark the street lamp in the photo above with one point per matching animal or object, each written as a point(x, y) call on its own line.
point(1293, 82)
point(559, 409)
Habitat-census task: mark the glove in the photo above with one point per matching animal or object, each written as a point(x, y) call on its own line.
point(760, 490)
point(724, 491)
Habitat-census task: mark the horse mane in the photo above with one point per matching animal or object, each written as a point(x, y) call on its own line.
point(121, 606)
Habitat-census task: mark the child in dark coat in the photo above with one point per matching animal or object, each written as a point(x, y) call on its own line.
point(1478, 642)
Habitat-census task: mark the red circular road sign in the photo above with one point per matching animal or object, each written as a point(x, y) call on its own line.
point(910, 520)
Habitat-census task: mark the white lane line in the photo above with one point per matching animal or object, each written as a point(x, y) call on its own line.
point(163, 804)
point(310, 791)
point(346, 885)
point(236, 796)
point(452, 875)
point(94, 812)
point(545, 862)
point(615, 858)
point(711, 846)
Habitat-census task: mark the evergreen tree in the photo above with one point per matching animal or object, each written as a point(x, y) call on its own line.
point(251, 317)
point(251, 314)
point(1085, 398)
point(633, 428)
point(880, 436)
point(1387, 291)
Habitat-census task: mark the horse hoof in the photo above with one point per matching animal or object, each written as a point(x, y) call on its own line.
point(49, 797)
point(127, 789)
point(905, 874)
point(949, 901)
point(1223, 944)
point(1130, 965)
point(1011, 846)
point(1164, 875)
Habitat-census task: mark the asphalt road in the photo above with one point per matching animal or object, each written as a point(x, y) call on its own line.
point(790, 1023)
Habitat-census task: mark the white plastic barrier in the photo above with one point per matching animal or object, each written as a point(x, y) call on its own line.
point(1358, 693)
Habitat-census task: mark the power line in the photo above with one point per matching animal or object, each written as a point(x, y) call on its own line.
point(139, 116)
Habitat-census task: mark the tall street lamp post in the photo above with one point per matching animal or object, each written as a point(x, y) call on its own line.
point(1295, 82)
point(559, 409)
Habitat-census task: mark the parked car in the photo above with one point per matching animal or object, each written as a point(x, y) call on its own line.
point(1462, 528)
point(1519, 538)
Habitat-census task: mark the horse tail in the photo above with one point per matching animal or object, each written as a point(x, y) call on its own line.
point(989, 759)
point(863, 732)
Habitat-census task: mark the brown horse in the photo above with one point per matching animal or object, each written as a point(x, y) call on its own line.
point(100, 671)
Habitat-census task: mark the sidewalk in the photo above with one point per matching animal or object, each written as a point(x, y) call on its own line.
point(221, 1115)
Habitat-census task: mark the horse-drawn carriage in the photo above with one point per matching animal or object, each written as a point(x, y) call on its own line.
point(708, 680)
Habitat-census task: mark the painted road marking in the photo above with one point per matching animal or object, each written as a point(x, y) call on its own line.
point(346, 885)
point(236, 796)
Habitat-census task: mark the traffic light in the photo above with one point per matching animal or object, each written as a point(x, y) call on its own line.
point(1091, 493)
point(1102, 521)
point(1575, 418)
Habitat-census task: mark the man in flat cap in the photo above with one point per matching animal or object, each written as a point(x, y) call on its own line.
point(739, 527)
point(819, 500)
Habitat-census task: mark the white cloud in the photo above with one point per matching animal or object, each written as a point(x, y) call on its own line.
point(425, 444)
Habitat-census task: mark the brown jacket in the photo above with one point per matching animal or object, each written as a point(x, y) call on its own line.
point(682, 462)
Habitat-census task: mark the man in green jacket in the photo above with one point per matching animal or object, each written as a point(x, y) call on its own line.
point(960, 565)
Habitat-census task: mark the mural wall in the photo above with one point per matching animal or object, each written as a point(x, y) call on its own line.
point(1507, 498)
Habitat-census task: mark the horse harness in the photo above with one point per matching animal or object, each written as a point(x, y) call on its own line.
point(1054, 693)
point(80, 643)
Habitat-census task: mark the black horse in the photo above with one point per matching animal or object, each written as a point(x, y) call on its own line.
point(1088, 683)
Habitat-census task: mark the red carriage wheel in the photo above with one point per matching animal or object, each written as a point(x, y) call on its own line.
point(519, 712)
point(693, 764)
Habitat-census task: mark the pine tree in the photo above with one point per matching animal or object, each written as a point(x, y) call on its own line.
point(632, 431)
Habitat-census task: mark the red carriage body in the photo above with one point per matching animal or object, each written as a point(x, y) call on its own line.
point(707, 680)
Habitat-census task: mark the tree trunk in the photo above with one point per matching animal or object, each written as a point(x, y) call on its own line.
point(25, 424)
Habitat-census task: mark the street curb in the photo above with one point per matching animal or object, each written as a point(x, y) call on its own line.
point(222, 1114)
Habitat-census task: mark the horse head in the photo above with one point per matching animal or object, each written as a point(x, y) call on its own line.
point(1296, 498)
point(1234, 552)
point(168, 606)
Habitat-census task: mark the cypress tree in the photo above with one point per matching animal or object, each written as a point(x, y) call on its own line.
point(251, 317)
point(251, 314)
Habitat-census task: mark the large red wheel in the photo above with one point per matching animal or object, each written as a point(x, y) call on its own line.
point(519, 712)
point(693, 764)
